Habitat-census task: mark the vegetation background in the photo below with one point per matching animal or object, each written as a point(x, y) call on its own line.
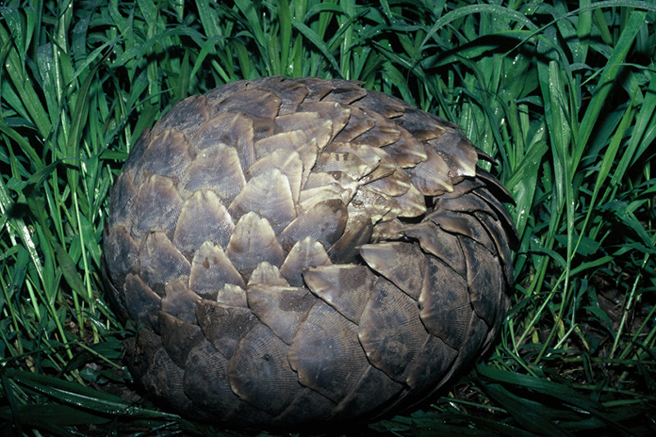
point(561, 93)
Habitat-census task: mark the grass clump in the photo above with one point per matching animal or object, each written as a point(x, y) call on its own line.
point(561, 94)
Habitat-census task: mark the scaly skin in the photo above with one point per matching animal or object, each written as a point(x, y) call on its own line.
point(299, 251)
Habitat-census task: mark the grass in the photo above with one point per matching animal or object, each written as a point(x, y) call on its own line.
point(561, 94)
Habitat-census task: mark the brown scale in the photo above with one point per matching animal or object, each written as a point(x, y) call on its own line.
point(305, 252)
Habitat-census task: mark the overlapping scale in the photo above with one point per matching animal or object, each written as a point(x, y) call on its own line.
point(179, 301)
point(443, 245)
point(296, 140)
point(407, 151)
point(224, 326)
point(373, 390)
point(158, 205)
point(259, 367)
point(218, 169)
point(345, 91)
point(211, 270)
point(391, 331)
point(431, 176)
point(402, 263)
point(303, 251)
point(288, 162)
point(160, 374)
point(347, 288)
point(141, 302)
point(160, 262)
point(233, 129)
point(267, 274)
point(253, 241)
point(202, 218)
point(325, 353)
point(192, 113)
point(124, 250)
point(447, 313)
point(324, 222)
point(178, 337)
point(282, 309)
point(206, 380)
point(170, 157)
point(307, 252)
point(255, 102)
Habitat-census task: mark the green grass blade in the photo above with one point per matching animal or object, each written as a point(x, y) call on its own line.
point(609, 76)
point(317, 42)
point(285, 21)
point(76, 395)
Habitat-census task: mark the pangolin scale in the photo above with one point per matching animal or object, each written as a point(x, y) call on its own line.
point(304, 251)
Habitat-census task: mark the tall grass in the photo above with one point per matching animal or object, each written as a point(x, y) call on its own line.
point(561, 94)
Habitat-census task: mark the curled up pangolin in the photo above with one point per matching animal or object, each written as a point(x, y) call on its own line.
point(302, 251)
